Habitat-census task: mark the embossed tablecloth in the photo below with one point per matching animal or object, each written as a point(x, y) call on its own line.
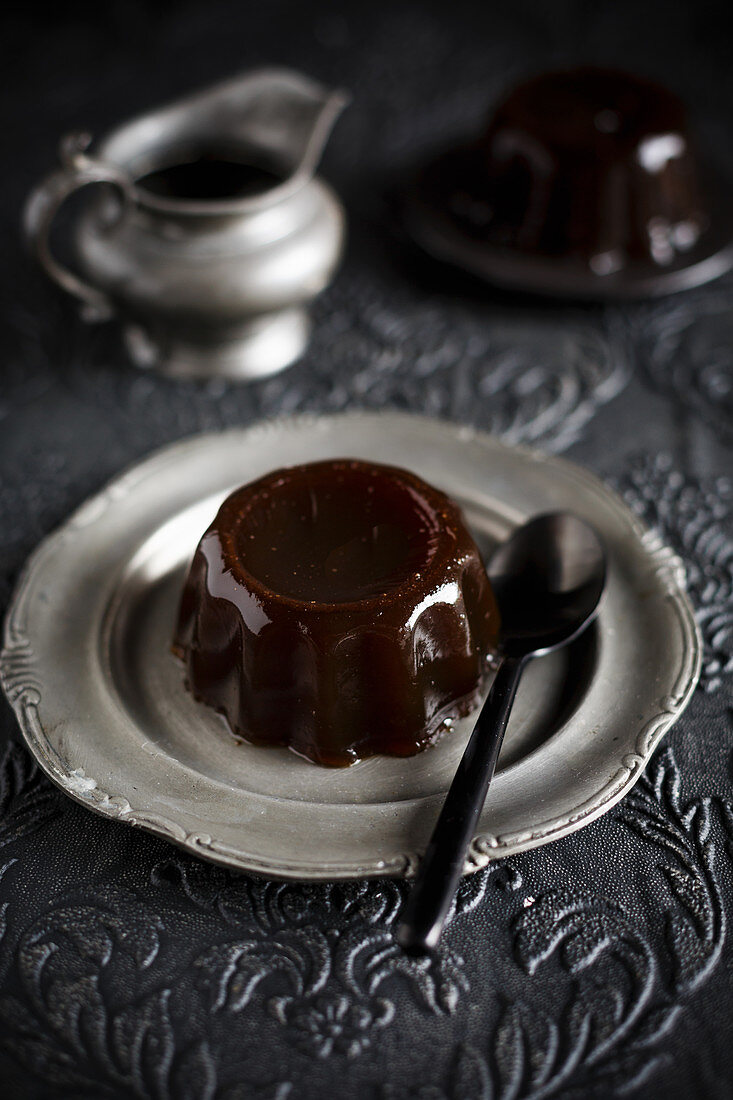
point(600, 965)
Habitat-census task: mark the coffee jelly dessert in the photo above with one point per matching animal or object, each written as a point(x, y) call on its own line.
point(339, 608)
point(594, 164)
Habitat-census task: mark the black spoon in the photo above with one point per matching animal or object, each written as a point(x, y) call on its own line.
point(547, 578)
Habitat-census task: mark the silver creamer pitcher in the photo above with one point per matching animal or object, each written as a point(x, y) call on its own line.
point(213, 234)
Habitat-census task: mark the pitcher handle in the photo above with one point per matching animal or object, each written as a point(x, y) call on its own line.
point(77, 171)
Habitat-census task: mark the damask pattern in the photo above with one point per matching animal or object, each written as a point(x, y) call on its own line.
point(695, 518)
point(376, 343)
point(625, 996)
point(332, 944)
point(686, 351)
point(320, 961)
point(27, 799)
point(335, 948)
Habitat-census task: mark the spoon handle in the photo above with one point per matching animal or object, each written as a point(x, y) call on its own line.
point(442, 865)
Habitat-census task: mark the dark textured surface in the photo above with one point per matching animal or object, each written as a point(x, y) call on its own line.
point(598, 966)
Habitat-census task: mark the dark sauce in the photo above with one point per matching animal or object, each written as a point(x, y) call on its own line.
point(339, 608)
point(211, 176)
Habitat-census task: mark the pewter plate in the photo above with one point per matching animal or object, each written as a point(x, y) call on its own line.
point(100, 699)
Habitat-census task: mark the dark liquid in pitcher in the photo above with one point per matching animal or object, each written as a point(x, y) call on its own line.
point(211, 176)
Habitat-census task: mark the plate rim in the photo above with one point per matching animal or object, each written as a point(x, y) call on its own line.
point(23, 685)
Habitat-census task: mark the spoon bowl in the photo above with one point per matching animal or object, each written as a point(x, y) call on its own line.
point(548, 578)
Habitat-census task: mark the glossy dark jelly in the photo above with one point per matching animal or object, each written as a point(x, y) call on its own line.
point(339, 608)
point(589, 163)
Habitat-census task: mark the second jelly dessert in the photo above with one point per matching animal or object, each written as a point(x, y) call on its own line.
point(596, 164)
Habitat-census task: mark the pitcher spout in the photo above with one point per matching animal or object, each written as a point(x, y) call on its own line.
point(293, 116)
point(276, 114)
